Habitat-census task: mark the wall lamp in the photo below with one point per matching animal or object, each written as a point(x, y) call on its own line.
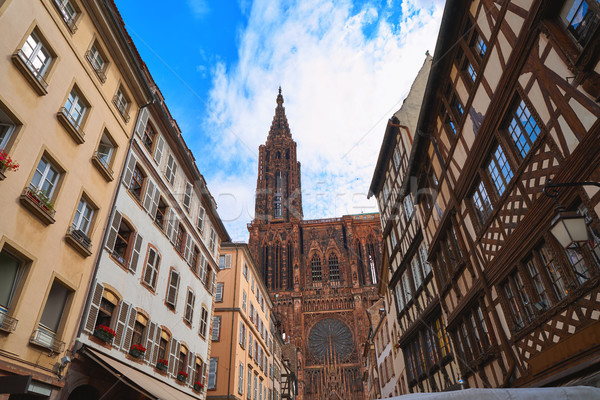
point(568, 227)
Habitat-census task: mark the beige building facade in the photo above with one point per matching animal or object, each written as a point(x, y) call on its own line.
point(69, 84)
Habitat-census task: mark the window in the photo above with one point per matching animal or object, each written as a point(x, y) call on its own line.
point(106, 312)
point(216, 328)
point(161, 210)
point(122, 103)
point(255, 387)
point(245, 269)
point(212, 373)
point(408, 206)
point(97, 60)
point(219, 292)
point(315, 265)
point(83, 217)
point(171, 298)
point(11, 272)
point(148, 138)
point(200, 223)
point(244, 297)
point(198, 367)
point(249, 394)
point(75, 108)
point(213, 240)
point(581, 19)
point(416, 272)
point(151, 270)
point(241, 379)
point(555, 272)
point(137, 183)
point(187, 196)
point(105, 151)
point(68, 12)
point(277, 198)
point(334, 267)
point(250, 343)
point(52, 316)
point(516, 307)
point(7, 127)
point(397, 157)
point(189, 306)
point(122, 242)
point(171, 170)
point(45, 178)
point(203, 322)
point(242, 334)
point(478, 45)
point(482, 203)
point(423, 258)
point(522, 128)
point(499, 170)
point(180, 239)
point(406, 287)
point(36, 56)
point(163, 345)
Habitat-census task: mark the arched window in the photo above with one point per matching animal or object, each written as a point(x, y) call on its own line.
point(107, 312)
point(290, 266)
point(372, 258)
point(315, 265)
point(139, 329)
point(182, 359)
point(334, 267)
point(360, 265)
point(276, 267)
point(277, 202)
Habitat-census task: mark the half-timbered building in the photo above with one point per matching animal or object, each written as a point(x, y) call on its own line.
point(512, 103)
point(426, 362)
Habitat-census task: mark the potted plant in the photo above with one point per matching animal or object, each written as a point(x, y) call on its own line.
point(7, 164)
point(104, 333)
point(162, 365)
point(182, 376)
point(137, 351)
point(40, 198)
point(198, 386)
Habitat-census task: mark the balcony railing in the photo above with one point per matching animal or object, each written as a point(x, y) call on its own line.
point(101, 163)
point(7, 324)
point(44, 338)
point(79, 241)
point(34, 76)
point(72, 126)
point(69, 19)
point(38, 75)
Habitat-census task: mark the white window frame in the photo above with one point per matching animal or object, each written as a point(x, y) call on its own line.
point(219, 292)
point(171, 169)
point(47, 167)
point(30, 53)
point(6, 131)
point(105, 150)
point(75, 100)
point(187, 196)
point(83, 216)
point(153, 266)
point(215, 333)
point(200, 222)
point(95, 58)
point(121, 101)
point(67, 10)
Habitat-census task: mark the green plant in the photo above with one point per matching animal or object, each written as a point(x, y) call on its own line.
point(41, 197)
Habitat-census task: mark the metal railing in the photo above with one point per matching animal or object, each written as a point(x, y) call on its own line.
point(122, 107)
point(99, 70)
point(34, 71)
point(102, 160)
point(45, 338)
point(7, 324)
point(40, 200)
point(75, 124)
point(80, 237)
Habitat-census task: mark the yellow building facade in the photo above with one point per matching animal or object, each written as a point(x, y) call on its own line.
point(241, 339)
point(69, 83)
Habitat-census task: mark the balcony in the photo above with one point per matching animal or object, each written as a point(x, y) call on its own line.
point(33, 76)
point(38, 204)
point(122, 107)
point(7, 324)
point(70, 20)
point(73, 127)
point(101, 164)
point(99, 70)
point(79, 241)
point(44, 338)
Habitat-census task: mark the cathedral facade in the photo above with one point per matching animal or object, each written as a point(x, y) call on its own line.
point(321, 274)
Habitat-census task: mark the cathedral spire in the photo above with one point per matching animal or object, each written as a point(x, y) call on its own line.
point(280, 125)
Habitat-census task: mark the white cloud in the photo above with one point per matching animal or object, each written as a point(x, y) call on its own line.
point(340, 86)
point(199, 8)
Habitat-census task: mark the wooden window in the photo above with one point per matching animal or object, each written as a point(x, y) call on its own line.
point(171, 298)
point(161, 211)
point(137, 183)
point(442, 337)
point(108, 304)
point(478, 45)
point(515, 307)
point(406, 287)
point(180, 239)
point(481, 202)
point(123, 241)
point(409, 207)
point(581, 18)
point(149, 137)
point(213, 240)
point(315, 265)
point(543, 302)
point(198, 367)
point(139, 331)
point(225, 261)
point(189, 306)
point(182, 359)
point(45, 178)
point(203, 322)
point(151, 270)
point(163, 345)
point(522, 128)
point(216, 328)
point(416, 272)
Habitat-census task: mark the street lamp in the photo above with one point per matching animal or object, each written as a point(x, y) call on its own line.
point(569, 228)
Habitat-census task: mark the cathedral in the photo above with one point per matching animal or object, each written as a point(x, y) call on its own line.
point(322, 274)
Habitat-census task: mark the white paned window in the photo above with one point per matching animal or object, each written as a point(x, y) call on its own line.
point(121, 102)
point(105, 151)
point(45, 178)
point(189, 306)
point(187, 196)
point(216, 328)
point(75, 108)
point(67, 11)
point(212, 373)
point(35, 55)
point(219, 292)
point(200, 223)
point(213, 240)
point(171, 169)
point(151, 271)
point(203, 322)
point(96, 58)
point(83, 216)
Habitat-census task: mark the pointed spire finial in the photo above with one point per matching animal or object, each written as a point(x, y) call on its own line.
point(279, 97)
point(279, 89)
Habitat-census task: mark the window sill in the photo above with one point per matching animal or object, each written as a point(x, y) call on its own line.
point(76, 133)
point(37, 82)
point(99, 342)
point(104, 169)
point(36, 207)
point(2, 176)
point(79, 241)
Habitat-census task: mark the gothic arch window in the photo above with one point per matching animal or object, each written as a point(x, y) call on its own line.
point(315, 267)
point(277, 206)
point(334, 267)
point(276, 266)
point(265, 261)
point(360, 265)
point(290, 266)
point(372, 261)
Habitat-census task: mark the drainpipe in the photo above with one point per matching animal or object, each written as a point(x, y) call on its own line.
point(235, 281)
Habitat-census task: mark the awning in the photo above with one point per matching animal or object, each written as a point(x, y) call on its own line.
point(547, 393)
point(140, 381)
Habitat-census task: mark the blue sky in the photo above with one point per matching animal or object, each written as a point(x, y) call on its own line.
point(344, 68)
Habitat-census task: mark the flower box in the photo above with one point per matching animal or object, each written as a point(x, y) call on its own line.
point(162, 365)
point(137, 351)
point(182, 376)
point(104, 333)
point(198, 386)
point(39, 204)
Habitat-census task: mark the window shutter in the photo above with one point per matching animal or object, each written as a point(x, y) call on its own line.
point(129, 329)
point(170, 221)
point(173, 357)
point(114, 230)
point(227, 260)
point(213, 283)
point(151, 328)
point(200, 223)
point(191, 360)
point(202, 269)
point(149, 272)
point(205, 372)
point(188, 249)
point(157, 336)
point(121, 322)
point(149, 195)
point(159, 149)
point(142, 122)
point(216, 328)
point(136, 253)
point(94, 308)
point(212, 374)
point(172, 292)
point(129, 171)
point(175, 229)
point(155, 202)
point(187, 196)
point(219, 292)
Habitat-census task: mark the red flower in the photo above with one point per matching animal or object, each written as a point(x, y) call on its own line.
point(199, 384)
point(106, 329)
point(7, 162)
point(138, 347)
point(163, 361)
point(182, 373)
